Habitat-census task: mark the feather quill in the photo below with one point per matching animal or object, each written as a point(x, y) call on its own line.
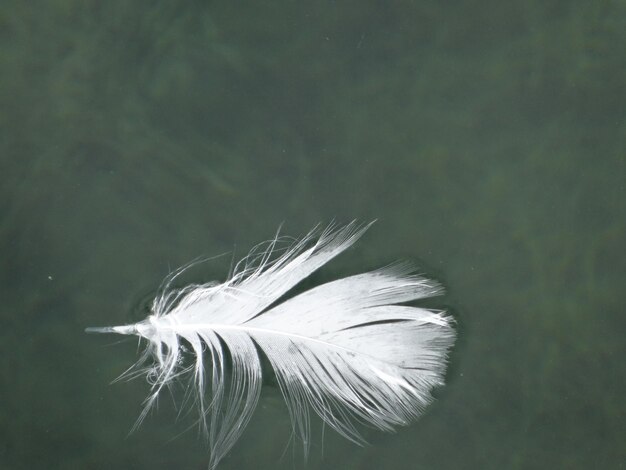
point(344, 349)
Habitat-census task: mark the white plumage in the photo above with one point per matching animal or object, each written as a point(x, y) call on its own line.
point(344, 349)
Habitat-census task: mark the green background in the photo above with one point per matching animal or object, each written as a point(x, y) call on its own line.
point(488, 139)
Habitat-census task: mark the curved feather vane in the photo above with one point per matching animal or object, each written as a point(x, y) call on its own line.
point(345, 349)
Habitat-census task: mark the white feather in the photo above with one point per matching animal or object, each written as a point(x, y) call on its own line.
point(344, 349)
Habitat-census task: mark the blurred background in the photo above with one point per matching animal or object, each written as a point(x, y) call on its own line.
point(488, 139)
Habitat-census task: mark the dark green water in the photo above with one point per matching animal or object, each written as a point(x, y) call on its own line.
point(488, 139)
